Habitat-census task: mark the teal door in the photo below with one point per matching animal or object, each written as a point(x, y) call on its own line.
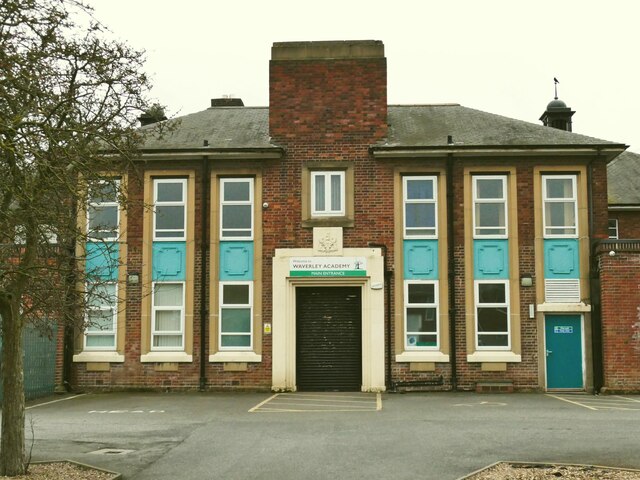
point(563, 342)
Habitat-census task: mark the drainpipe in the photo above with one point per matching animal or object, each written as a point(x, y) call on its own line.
point(388, 273)
point(451, 263)
point(594, 284)
point(204, 248)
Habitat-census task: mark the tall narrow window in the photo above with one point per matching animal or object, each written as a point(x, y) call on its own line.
point(103, 212)
point(560, 210)
point(169, 214)
point(101, 314)
point(236, 315)
point(236, 204)
point(167, 329)
point(421, 315)
point(327, 193)
point(613, 228)
point(420, 212)
point(492, 315)
point(490, 206)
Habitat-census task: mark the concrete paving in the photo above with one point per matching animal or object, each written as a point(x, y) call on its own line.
point(419, 435)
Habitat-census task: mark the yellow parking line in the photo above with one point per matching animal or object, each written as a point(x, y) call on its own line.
point(354, 407)
point(321, 395)
point(569, 401)
point(263, 402)
point(627, 398)
point(329, 400)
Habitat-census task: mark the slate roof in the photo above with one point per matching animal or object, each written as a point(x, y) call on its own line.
point(429, 125)
point(623, 179)
point(409, 126)
point(233, 128)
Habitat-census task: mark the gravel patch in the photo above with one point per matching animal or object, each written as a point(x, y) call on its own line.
point(61, 471)
point(506, 471)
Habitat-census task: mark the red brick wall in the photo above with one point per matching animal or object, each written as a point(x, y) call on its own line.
point(620, 286)
point(628, 224)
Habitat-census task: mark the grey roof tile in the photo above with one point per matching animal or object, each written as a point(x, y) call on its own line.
point(223, 127)
point(429, 126)
point(623, 179)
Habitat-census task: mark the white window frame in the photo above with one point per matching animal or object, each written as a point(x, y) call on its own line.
point(103, 333)
point(327, 212)
point(615, 227)
point(250, 202)
point(113, 203)
point(477, 230)
point(405, 201)
point(183, 204)
point(172, 308)
point(506, 305)
point(434, 305)
point(222, 306)
point(545, 200)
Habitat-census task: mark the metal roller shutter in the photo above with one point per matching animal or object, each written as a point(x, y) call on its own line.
point(329, 338)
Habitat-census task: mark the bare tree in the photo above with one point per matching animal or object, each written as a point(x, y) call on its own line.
point(68, 94)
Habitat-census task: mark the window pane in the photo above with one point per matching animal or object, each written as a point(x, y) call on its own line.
point(101, 295)
point(420, 215)
point(236, 340)
point(420, 189)
point(319, 198)
point(170, 218)
point(560, 214)
point(422, 340)
point(492, 319)
point(167, 340)
point(235, 294)
point(169, 192)
point(236, 191)
point(421, 320)
point(236, 216)
point(490, 215)
point(491, 293)
point(168, 295)
point(168, 321)
point(103, 218)
point(236, 320)
point(101, 341)
point(489, 188)
point(104, 192)
point(100, 321)
point(336, 193)
point(493, 340)
point(559, 188)
point(421, 293)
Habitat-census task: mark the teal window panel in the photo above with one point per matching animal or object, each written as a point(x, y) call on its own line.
point(236, 261)
point(421, 259)
point(561, 258)
point(491, 259)
point(169, 261)
point(102, 260)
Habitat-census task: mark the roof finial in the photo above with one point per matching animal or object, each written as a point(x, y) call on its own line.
point(555, 87)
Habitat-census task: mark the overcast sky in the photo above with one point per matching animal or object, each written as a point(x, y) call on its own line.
point(499, 56)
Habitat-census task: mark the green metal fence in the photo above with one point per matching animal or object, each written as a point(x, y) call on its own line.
point(39, 363)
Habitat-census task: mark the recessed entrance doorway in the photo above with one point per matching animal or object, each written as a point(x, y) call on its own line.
point(328, 338)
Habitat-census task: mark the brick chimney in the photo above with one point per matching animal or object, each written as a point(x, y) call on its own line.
point(328, 91)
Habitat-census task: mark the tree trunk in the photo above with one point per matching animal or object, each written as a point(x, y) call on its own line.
point(12, 448)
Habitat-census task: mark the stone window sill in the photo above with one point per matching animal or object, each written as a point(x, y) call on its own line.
point(415, 356)
point(224, 357)
point(98, 357)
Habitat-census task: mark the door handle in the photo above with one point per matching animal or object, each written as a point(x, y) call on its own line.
point(548, 352)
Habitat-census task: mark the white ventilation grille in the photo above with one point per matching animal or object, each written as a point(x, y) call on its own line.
point(562, 291)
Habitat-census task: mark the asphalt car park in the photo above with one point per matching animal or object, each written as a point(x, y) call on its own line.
point(314, 436)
